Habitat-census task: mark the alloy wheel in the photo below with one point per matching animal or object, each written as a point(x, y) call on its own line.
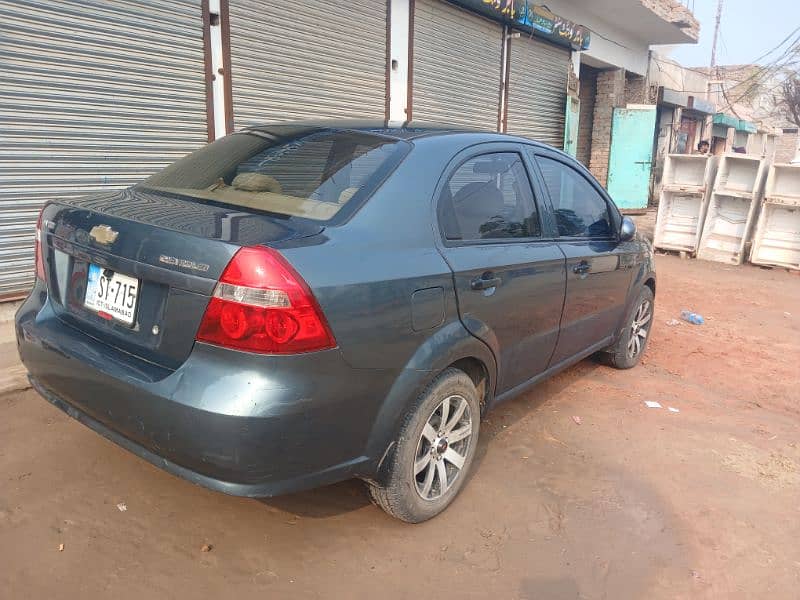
point(640, 327)
point(442, 448)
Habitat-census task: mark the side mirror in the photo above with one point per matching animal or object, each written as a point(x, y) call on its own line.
point(627, 230)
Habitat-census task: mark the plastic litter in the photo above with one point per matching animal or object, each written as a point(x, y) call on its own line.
point(673, 322)
point(122, 507)
point(577, 420)
point(673, 409)
point(692, 317)
point(652, 404)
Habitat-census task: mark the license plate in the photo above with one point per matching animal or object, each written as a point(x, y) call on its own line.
point(111, 295)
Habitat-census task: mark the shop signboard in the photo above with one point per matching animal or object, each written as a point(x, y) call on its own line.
point(536, 19)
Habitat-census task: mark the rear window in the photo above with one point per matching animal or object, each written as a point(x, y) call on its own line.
point(314, 175)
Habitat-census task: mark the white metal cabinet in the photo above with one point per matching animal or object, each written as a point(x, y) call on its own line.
point(737, 191)
point(776, 241)
point(685, 190)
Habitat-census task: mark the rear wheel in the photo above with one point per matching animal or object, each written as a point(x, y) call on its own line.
point(435, 450)
point(629, 348)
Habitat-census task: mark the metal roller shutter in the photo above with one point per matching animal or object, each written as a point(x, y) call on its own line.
point(307, 60)
point(457, 64)
point(96, 95)
point(537, 90)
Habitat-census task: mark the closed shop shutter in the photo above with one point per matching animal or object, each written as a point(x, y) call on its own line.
point(457, 65)
point(96, 95)
point(537, 90)
point(307, 60)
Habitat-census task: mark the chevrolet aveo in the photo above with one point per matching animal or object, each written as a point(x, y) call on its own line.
point(299, 304)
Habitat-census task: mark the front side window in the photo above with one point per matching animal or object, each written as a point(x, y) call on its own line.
point(489, 197)
point(311, 174)
point(579, 209)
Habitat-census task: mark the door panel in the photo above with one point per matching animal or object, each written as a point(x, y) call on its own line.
point(519, 317)
point(598, 266)
point(598, 278)
point(509, 281)
point(631, 160)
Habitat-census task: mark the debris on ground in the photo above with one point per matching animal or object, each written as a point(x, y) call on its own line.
point(61, 547)
point(673, 322)
point(122, 507)
point(673, 409)
point(652, 404)
point(206, 548)
point(692, 317)
point(577, 420)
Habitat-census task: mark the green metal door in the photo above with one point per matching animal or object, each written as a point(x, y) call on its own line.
point(631, 161)
point(571, 125)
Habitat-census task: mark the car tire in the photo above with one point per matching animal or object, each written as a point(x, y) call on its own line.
point(626, 352)
point(429, 466)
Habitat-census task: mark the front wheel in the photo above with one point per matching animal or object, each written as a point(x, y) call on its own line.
point(628, 350)
point(435, 450)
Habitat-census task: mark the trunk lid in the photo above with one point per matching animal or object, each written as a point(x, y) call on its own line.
point(174, 247)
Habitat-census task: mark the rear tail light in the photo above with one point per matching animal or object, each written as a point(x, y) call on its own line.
point(38, 249)
point(261, 304)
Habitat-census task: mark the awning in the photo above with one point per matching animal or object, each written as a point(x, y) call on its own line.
point(672, 97)
point(700, 105)
point(726, 120)
point(747, 126)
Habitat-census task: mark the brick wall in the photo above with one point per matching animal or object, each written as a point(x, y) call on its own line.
point(785, 147)
point(635, 89)
point(587, 94)
point(610, 94)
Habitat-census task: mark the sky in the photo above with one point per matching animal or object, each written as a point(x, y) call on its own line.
point(749, 29)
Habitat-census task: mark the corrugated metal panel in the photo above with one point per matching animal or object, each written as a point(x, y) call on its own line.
point(96, 95)
point(537, 90)
point(457, 58)
point(307, 60)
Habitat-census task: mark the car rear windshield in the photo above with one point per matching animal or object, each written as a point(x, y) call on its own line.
point(313, 175)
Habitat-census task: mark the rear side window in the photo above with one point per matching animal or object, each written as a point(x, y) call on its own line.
point(579, 209)
point(312, 175)
point(488, 197)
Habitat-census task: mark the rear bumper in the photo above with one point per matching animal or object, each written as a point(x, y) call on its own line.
point(251, 490)
point(234, 422)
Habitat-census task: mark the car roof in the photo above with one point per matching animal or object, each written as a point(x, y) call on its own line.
point(408, 130)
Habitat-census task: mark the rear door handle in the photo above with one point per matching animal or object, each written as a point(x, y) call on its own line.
point(581, 268)
point(484, 282)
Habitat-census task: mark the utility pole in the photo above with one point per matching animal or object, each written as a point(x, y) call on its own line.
point(713, 72)
point(716, 36)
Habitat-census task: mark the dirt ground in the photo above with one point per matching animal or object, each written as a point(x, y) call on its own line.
point(633, 502)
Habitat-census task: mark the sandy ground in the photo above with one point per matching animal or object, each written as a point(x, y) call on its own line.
point(633, 502)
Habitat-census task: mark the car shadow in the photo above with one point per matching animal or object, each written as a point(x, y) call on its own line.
point(349, 496)
point(319, 503)
point(509, 412)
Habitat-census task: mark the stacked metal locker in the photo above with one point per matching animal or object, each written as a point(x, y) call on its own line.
point(737, 192)
point(685, 188)
point(777, 238)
